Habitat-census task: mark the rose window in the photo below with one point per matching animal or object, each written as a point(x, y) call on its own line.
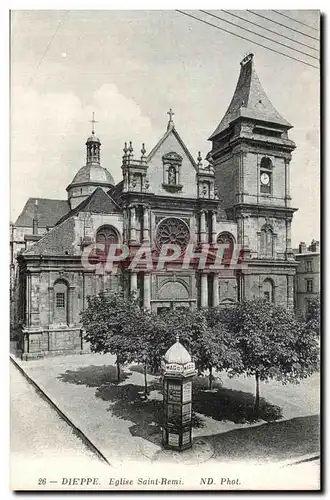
point(172, 231)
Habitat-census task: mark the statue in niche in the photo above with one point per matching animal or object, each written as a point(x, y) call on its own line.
point(171, 175)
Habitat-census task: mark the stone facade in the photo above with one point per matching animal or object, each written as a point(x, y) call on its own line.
point(239, 196)
point(307, 279)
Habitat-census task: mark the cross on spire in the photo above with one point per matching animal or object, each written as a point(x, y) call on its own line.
point(93, 121)
point(170, 121)
point(170, 114)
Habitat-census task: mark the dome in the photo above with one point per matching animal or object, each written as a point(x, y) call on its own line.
point(177, 354)
point(94, 174)
point(93, 138)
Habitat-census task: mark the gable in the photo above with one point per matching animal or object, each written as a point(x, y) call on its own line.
point(97, 202)
point(171, 151)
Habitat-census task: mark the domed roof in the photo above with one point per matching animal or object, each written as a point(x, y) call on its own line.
point(94, 174)
point(177, 354)
point(93, 138)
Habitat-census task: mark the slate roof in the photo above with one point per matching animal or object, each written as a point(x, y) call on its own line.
point(93, 174)
point(250, 101)
point(59, 241)
point(49, 212)
point(98, 202)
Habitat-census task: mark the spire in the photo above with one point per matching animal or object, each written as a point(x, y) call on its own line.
point(93, 144)
point(250, 100)
point(170, 121)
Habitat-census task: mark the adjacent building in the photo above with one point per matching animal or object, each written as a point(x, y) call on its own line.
point(307, 281)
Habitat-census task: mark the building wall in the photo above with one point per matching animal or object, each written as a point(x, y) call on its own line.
point(301, 294)
point(188, 172)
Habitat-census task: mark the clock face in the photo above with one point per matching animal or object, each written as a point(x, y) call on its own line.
point(264, 179)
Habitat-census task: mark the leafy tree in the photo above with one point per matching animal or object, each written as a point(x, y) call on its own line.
point(216, 349)
point(313, 314)
point(110, 322)
point(273, 343)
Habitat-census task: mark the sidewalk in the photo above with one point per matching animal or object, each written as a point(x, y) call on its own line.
point(122, 426)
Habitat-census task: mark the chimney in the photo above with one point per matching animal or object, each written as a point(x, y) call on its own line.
point(302, 247)
point(314, 246)
point(35, 219)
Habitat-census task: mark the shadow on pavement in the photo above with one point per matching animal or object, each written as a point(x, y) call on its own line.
point(93, 375)
point(270, 442)
point(127, 400)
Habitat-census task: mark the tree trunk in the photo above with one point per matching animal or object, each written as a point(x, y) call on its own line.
point(257, 401)
point(118, 369)
point(145, 381)
point(210, 377)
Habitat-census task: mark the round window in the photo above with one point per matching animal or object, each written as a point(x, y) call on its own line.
point(172, 231)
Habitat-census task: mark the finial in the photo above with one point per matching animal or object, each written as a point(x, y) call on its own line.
point(246, 59)
point(125, 149)
point(199, 159)
point(93, 121)
point(170, 121)
point(177, 337)
point(130, 149)
point(143, 151)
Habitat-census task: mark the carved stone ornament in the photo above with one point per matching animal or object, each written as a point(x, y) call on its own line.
point(172, 231)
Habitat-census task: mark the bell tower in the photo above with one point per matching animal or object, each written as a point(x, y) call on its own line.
point(251, 154)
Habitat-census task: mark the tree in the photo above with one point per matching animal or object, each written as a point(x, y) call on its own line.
point(273, 343)
point(110, 323)
point(313, 314)
point(216, 349)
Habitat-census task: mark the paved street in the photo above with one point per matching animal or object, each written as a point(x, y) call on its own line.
point(40, 440)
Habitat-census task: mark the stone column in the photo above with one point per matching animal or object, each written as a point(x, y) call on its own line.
point(202, 228)
point(204, 291)
point(215, 290)
point(28, 300)
point(51, 304)
point(214, 227)
point(133, 224)
point(133, 282)
point(34, 298)
point(146, 224)
point(146, 290)
point(71, 298)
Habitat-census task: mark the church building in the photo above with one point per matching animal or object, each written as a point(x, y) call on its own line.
point(238, 196)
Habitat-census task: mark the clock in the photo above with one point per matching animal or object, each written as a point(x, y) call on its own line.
point(264, 178)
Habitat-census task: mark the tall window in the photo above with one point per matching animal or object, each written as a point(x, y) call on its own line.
point(228, 240)
point(266, 175)
point(268, 290)
point(61, 302)
point(106, 236)
point(308, 266)
point(309, 285)
point(267, 242)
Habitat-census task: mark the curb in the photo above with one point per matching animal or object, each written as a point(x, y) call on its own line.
point(311, 457)
point(61, 414)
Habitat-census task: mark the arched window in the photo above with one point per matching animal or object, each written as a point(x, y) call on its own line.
point(266, 163)
point(106, 235)
point(61, 302)
point(268, 290)
point(267, 242)
point(227, 239)
point(266, 175)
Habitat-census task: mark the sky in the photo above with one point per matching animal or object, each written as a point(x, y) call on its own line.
point(130, 67)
